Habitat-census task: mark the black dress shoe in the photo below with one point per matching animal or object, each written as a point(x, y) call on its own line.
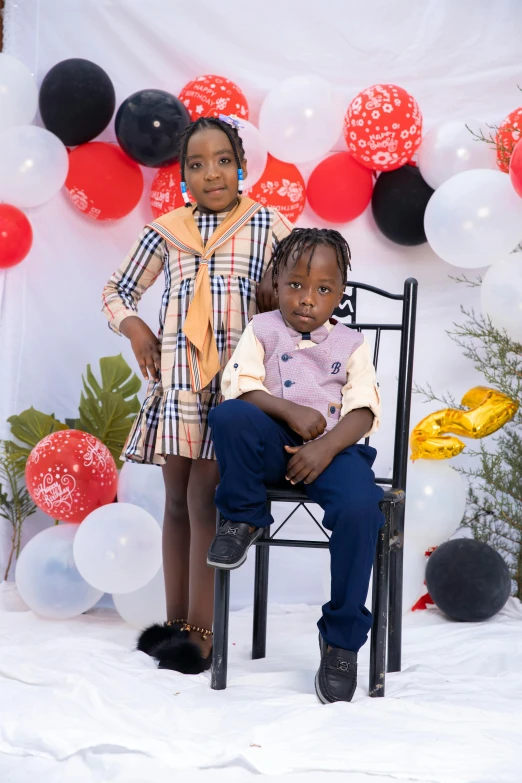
point(336, 678)
point(230, 547)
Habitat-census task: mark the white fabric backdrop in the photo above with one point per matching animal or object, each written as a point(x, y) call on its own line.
point(457, 59)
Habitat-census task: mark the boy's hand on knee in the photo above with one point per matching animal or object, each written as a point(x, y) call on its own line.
point(308, 461)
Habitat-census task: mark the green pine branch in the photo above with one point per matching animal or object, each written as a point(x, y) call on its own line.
point(494, 507)
point(15, 503)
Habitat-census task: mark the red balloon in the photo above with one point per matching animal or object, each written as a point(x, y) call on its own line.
point(210, 96)
point(383, 127)
point(103, 182)
point(515, 169)
point(508, 134)
point(165, 193)
point(16, 236)
point(282, 187)
point(69, 474)
point(339, 188)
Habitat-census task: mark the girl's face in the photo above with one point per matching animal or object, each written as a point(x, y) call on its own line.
point(211, 170)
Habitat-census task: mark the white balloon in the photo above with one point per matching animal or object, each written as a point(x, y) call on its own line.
point(118, 548)
point(145, 606)
point(301, 119)
point(255, 152)
point(414, 574)
point(435, 503)
point(474, 218)
point(501, 295)
point(143, 486)
point(450, 148)
point(18, 93)
point(33, 166)
point(48, 579)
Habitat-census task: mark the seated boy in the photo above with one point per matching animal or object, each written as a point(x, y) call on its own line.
point(300, 392)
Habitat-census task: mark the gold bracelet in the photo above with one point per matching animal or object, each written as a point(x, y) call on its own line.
point(205, 633)
point(175, 622)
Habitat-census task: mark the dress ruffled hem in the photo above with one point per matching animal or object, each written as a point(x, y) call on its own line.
point(173, 423)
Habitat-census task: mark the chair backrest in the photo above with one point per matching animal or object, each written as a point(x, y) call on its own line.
point(346, 313)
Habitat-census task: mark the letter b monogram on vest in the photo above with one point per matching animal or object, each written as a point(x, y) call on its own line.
point(315, 377)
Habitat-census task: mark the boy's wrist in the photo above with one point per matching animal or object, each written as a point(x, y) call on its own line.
point(349, 430)
point(331, 443)
point(289, 409)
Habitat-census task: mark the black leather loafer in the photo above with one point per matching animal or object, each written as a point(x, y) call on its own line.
point(230, 547)
point(336, 678)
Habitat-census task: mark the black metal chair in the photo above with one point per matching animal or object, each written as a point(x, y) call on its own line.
point(388, 563)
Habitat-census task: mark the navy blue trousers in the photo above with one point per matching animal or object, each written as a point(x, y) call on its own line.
point(250, 452)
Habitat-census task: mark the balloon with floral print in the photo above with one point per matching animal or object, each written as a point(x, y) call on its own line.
point(165, 191)
point(69, 474)
point(282, 187)
point(508, 135)
point(210, 96)
point(383, 127)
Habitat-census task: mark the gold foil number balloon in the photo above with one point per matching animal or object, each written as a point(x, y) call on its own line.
point(488, 411)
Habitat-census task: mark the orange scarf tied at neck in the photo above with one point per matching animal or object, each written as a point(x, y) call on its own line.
point(179, 229)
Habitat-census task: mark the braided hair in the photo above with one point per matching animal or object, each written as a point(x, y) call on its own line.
point(202, 124)
point(302, 240)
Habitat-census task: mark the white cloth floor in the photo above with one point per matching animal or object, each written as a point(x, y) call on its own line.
point(77, 703)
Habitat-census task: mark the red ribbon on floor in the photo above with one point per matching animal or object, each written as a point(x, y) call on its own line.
point(426, 599)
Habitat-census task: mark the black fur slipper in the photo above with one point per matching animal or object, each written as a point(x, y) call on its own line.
point(157, 634)
point(183, 656)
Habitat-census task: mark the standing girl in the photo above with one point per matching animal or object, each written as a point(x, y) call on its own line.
point(214, 256)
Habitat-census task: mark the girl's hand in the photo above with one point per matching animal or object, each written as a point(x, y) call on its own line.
point(308, 461)
point(266, 298)
point(145, 344)
point(147, 350)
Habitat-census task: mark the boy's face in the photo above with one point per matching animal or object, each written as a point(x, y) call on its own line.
point(307, 298)
point(211, 170)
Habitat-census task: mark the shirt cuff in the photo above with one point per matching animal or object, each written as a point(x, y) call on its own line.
point(364, 398)
point(117, 318)
point(237, 384)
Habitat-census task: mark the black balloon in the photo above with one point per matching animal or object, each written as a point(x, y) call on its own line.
point(77, 101)
point(468, 580)
point(399, 201)
point(148, 126)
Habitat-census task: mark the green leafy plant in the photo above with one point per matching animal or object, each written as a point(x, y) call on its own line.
point(15, 502)
point(107, 410)
point(29, 428)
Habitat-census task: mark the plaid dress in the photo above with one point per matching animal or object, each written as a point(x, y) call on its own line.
point(173, 419)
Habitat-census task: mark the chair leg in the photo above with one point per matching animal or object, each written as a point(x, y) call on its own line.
point(380, 609)
point(261, 598)
point(218, 681)
point(220, 644)
point(395, 601)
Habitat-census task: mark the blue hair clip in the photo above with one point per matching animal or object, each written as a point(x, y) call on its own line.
point(183, 187)
point(231, 120)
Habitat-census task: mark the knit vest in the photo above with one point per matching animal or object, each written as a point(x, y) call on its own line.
point(312, 376)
